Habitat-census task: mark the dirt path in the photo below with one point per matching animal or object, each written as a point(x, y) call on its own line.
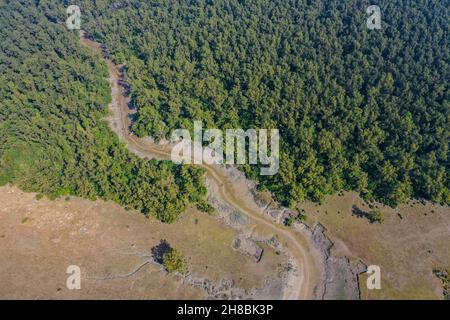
point(297, 245)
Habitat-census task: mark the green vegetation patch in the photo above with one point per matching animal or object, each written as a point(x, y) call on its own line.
point(53, 96)
point(444, 276)
point(174, 261)
point(357, 109)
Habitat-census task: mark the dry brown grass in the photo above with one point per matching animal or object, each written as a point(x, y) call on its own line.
point(40, 239)
point(407, 249)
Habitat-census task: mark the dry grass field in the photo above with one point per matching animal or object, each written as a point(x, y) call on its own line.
point(39, 239)
point(413, 239)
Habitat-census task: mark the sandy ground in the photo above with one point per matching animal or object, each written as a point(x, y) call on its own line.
point(413, 239)
point(40, 239)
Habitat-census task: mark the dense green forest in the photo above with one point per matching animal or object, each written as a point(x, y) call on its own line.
point(357, 109)
point(54, 94)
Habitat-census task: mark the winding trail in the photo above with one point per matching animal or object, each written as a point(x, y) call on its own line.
point(297, 244)
point(126, 275)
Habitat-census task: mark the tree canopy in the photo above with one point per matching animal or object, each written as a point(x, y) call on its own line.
point(357, 109)
point(53, 97)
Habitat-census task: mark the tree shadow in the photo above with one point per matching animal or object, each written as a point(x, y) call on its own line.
point(359, 212)
point(374, 216)
point(160, 250)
